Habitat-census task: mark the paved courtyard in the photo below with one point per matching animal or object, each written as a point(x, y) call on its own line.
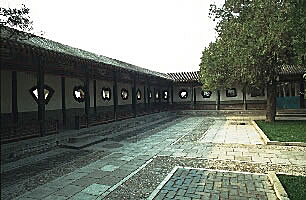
point(187, 158)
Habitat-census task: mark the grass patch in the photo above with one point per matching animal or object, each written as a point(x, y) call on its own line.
point(284, 131)
point(294, 186)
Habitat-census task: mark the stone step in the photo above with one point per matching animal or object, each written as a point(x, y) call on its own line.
point(86, 140)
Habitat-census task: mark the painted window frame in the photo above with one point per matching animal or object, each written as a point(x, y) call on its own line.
point(76, 88)
point(46, 87)
point(110, 93)
point(180, 94)
point(127, 94)
point(206, 96)
point(230, 94)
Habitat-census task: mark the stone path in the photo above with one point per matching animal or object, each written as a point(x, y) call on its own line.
point(189, 183)
point(231, 132)
point(136, 166)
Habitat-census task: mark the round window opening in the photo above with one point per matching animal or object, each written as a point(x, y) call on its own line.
point(79, 93)
point(183, 94)
point(124, 94)
point(106, 94)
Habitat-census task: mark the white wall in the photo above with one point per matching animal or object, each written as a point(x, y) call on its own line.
point(100, 85)
point(25, 81)
point(6, 91)
point(127, 86)
point(56, 100)
point(70, 101)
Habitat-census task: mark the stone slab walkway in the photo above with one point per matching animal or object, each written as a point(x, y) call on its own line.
point(135, 166)
point(231, 132)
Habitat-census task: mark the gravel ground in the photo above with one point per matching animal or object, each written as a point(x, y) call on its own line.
point(30, 177)
point(142, 184)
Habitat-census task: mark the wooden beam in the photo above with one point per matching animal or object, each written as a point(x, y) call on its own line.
point(14, 97)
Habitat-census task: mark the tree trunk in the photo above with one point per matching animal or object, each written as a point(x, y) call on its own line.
point(271, 102)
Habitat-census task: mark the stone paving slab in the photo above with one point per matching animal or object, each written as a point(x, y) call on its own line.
point(231, 132)
point(193, 183)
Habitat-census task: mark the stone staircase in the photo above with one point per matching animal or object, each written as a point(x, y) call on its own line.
point(118, 131)
point(293, 114)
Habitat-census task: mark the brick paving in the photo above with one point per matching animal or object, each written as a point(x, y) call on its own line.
point(105, 177)
point(188, 183)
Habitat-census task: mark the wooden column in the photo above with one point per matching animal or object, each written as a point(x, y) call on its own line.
point(302, 90)
point(115, 94)
point(194, 98)
point(245, 105)
point(218, 100)
point(63, 84)
point(14, 97)
point(134, 100)
point(95, 96)
point(149, 90)
point(41, 97)
point(172, 93)
point(87, 96)
point(145, 97)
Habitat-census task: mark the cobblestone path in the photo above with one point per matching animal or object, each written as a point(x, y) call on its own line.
point(136, 167)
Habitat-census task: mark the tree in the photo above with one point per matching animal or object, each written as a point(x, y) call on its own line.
point(16, 18)
point(255, 37)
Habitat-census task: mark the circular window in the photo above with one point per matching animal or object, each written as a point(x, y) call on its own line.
point(106, 94)
point(138, 95)
point(124, 94)
point(165, 95)
point(206, 94)
point(183, 94)
point(157, 94)
point(79, 93)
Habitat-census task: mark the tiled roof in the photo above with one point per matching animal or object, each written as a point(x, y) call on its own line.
point(291, 70)
point(184, 76)
point(49, 45)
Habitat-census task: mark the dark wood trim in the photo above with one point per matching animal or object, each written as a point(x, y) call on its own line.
point(302, 90)
point(41, 99)
point(14, 97)
point(145, 96)
point(245, 105)
point(134, 102)
point(95, 95)
point(148, 94)
point(63, 86)
point(172, 93)
point(115, 94)
point(87, 96)
point(194, 96)
point(218, 100)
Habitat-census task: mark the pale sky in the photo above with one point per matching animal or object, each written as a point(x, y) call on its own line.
point(160, 35)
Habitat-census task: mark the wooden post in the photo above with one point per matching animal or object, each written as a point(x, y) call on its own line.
point(149, 90)
point(95, 96)
point(134, 100)
point(172, 93)
point(115, 94)
point(145, 97)
point(63, 84)
point(218, 100)
point(302, 90)
point(245, 105)
point(14, 97)
point(41, 96)
point(194, 98)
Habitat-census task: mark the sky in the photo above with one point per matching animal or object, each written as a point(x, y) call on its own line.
point(160, 35)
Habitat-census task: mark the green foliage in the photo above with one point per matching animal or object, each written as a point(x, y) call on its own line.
point(284, 131)
point(254, 38)
point(16, 18)
point(294, 186)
